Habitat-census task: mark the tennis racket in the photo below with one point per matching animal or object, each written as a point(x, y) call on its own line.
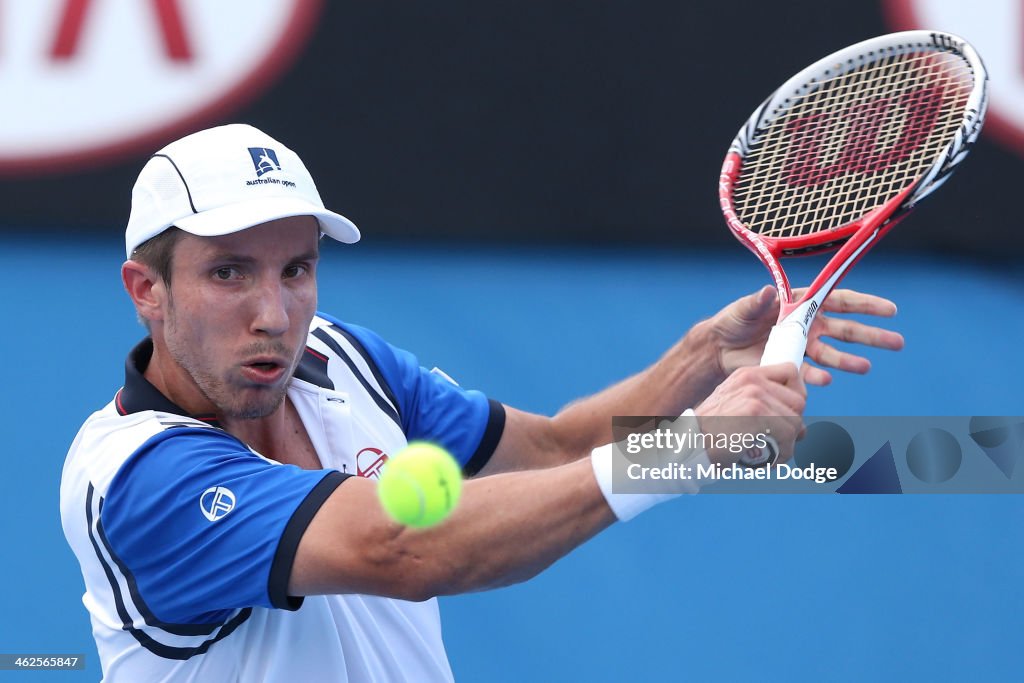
point(839, 155)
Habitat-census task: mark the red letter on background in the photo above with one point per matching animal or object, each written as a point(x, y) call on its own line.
point(168, 14)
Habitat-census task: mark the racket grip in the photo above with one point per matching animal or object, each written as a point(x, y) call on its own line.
point(786, 344)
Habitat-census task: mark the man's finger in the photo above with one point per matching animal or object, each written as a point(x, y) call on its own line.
point(849, 301)
point(782, 373)
point(815, 376)
point(856, 332)
point(831, 357)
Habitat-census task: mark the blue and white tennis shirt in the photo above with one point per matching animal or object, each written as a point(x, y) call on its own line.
point(186, 537)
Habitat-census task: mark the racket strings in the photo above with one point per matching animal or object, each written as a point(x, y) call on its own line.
point(852, 142)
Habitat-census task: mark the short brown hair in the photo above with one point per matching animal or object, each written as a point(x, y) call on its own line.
point(158, 252)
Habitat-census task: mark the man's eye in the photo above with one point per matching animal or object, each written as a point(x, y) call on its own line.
point(225, 273)
point(294, 271)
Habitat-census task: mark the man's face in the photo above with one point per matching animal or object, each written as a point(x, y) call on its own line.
point(239, 311)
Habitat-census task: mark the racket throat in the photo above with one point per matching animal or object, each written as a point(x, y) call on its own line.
point(801, 313)
point(788, 339)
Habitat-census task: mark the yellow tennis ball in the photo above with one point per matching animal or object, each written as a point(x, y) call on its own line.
point(420, 485)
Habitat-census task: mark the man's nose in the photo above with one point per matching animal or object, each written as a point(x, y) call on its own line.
point(271, 316)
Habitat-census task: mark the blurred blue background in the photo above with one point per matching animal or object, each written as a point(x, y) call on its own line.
point(706, 588)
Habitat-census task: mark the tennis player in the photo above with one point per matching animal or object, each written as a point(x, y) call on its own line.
point(222, 505)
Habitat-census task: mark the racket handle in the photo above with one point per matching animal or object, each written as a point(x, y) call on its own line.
point(786, 344)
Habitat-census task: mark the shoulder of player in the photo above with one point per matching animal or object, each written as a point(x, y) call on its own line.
point(108, 439)
point(359, 347)
point(336, 327)
point(350, 358)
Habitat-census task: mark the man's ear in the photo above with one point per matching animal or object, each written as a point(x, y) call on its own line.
point(147, 290)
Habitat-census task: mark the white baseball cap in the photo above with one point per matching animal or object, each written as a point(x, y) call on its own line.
point(222, 180)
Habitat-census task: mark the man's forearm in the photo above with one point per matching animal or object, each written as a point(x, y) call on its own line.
point(506, 529)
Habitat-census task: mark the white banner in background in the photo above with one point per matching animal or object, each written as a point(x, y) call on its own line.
point(996, 29)
point(85, 80)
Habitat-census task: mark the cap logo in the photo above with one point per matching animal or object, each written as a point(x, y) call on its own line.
point(264, 160)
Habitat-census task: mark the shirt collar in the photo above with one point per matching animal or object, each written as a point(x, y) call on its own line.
point(138, 394)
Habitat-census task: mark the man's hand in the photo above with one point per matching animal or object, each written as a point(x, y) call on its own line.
point(756, 400)
point(741, 330)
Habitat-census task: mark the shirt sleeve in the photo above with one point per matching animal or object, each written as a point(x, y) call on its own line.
point(202, 525)
point(431, 406)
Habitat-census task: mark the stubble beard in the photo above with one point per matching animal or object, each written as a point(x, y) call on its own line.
point(230, 402)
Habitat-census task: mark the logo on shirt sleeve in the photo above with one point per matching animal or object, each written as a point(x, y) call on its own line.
point(216, 502)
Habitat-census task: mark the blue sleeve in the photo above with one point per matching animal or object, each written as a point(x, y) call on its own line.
point(205, 526)
point(432, 407)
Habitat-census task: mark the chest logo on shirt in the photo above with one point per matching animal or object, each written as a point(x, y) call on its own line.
point(216, 502)
point(369, 462)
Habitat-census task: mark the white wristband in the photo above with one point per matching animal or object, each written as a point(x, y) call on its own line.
point(626, 506)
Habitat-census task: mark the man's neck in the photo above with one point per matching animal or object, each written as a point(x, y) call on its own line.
point(266, 435)
point(280, 436)
point(174, 383)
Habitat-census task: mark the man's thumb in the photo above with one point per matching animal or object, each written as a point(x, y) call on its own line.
point(758, 304)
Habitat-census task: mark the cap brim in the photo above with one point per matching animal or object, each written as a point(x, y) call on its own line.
point(225, 220)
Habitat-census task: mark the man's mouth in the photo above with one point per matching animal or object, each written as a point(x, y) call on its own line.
point(264, 370)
